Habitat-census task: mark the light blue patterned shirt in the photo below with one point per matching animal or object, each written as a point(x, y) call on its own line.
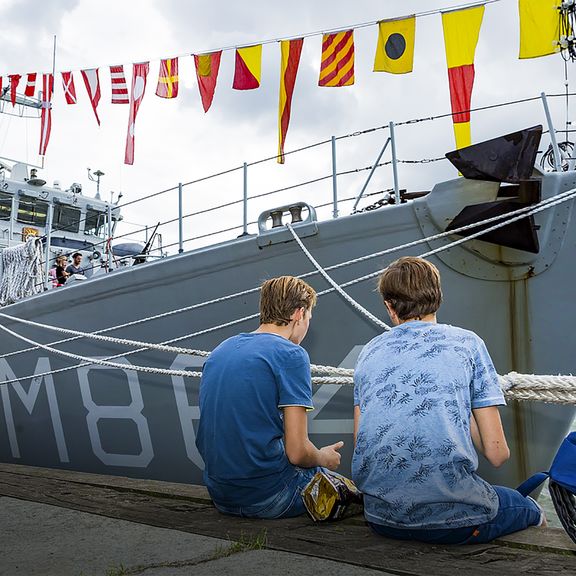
point(414, 459)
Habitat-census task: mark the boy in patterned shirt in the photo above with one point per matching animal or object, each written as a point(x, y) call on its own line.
point(425, 396)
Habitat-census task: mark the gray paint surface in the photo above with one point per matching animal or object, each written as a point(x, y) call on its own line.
point(121, 422)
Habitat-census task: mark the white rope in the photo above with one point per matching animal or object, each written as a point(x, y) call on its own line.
point(556, 199)
point(316, 369)
point(121, 354)
point(101, 362)
point(525, 212)
point(100, 337)
point(521, 387)
point(22, 273)
point(570, 195)
point(334, 285)
point(331, 370)
point(527, 387)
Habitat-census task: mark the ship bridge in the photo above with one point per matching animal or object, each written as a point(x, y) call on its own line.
point(74, 222)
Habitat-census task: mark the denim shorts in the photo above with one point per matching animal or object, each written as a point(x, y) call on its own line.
point(515, 512)
point(286, 503)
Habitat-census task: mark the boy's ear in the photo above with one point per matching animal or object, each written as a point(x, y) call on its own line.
point(298, 314)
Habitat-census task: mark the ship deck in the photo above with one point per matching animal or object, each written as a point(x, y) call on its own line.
point(188, 509)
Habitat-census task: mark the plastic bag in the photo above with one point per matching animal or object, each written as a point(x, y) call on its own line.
point(330, 496)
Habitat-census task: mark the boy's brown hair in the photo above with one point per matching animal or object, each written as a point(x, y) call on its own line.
point(411, 286)
point(281, 297)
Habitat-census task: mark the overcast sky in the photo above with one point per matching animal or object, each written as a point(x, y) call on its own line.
point(177, 142)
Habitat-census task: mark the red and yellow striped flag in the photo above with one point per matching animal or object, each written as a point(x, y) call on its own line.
point(290, 51)
point(461, 31)
point(168, 78)
point(337, 67)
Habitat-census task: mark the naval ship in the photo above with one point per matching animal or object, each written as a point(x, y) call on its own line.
point(502, 234)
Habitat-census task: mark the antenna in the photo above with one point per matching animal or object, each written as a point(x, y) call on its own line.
point(98, 174)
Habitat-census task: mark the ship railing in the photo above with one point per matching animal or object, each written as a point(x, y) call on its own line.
point(356, 190)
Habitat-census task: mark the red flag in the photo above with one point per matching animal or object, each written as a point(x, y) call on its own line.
point(290, 59)
point(168, 78)
point(30, 85)
point(69, 88)
point(139, 75)
point(207, 66)
point(119, 87)
point(46, 122)
point(92, 82)
point(14, 79)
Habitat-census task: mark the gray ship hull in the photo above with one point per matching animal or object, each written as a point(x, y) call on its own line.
point(121, 422)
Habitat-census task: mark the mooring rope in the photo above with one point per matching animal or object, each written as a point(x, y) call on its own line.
point(562, 197)
point(334, 285)
point(526, 387)
point(22, 273)
point(544, 388)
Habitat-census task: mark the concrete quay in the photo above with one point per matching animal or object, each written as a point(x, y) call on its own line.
point(69, 523)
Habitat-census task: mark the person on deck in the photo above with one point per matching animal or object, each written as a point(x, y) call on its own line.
point(254, 394)
point(425, 395)
point(61, 274)
point(75, 267)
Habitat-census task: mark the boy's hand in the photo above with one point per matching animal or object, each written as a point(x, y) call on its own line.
point(330, 456)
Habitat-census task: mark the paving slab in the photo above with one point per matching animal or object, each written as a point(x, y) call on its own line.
point(41, 540)
point(269, 563)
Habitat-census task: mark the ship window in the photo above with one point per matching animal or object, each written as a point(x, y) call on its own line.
point(66, 218)
point(32, 211)
point(94, 222)
point(5, 206)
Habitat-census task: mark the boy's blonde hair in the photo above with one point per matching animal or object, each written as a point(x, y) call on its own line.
point(281, 297)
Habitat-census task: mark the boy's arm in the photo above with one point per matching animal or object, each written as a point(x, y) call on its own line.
point(356, 422)
point(299, 450)
point(488, 435)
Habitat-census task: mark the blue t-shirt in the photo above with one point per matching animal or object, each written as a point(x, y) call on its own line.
point(246, 382)
point(414, 459)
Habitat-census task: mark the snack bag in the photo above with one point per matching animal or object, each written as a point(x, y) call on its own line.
point(330, 496)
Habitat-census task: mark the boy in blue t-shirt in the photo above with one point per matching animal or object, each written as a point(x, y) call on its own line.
point(425, 396)
point(254, 394)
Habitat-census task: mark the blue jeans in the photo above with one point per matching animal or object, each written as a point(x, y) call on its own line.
point(515, 512)
point(286, 503)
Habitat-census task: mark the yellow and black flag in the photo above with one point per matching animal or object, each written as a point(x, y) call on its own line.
point(395, 49)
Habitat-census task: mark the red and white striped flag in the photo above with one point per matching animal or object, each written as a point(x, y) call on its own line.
point(140, 72)
point(92, 82)
point(46, 123)
point(69, 88)
point(119, 88)
point(14, 79)
point(30, 85)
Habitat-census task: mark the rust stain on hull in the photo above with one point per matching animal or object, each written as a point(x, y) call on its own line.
point(521, 361)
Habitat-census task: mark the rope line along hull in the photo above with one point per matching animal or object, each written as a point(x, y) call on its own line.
point(111, 420)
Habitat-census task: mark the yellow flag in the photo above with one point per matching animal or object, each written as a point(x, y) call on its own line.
point(395, 49)
point(461, 31)
point(539, 27)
